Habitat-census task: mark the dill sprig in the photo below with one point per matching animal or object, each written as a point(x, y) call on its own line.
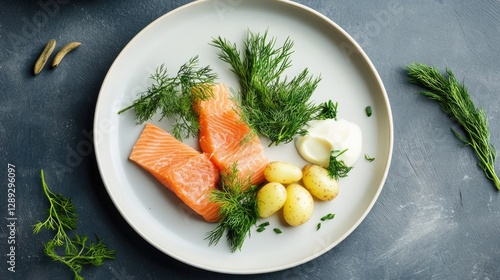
point(275, 106)
point(77, 252)
point(61, 216)
point(337, 168)
point(238, 210)
point(82, 254)
point(173, 97)
point(327, 110)
point(454, 99)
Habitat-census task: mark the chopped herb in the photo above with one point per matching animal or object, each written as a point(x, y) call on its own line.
point(264, 224)
point(328, 217)
point(324, 218)
point(368, 111)
point(262, 227)
point(277, 230)
point(368, 158)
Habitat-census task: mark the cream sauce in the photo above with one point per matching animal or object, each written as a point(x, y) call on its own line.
point(329, 135)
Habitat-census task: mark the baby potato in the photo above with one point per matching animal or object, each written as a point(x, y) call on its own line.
point(282, 172)
point(270, 199)
point(299, 205)
point(319, 183)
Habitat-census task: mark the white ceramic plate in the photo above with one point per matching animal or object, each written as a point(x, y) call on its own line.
point(348, 77)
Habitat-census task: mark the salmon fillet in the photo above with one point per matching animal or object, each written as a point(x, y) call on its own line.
point(185, 171)
point(227, 139)
point(192, 181)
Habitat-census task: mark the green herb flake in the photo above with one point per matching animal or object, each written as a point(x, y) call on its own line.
point(368, 158)
point(368, 111)
point(277, 230)
point(265, 224)
point(318, 226)
point(328, 217)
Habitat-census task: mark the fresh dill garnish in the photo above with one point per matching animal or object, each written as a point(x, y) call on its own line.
point(238, 209)
point(273, 105)
point(453, 98)
point(328, 110)
point(82, 254)
point(369, 158)
point(173, 97)
point(76, 253)
point(337, 168)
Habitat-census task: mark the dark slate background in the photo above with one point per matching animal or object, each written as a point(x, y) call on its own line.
point(437, 216)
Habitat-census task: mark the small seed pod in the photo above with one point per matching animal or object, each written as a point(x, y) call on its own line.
point(44, 56)
point(63, 52)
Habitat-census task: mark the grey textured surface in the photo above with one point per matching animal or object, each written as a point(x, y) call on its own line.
point(436, 218)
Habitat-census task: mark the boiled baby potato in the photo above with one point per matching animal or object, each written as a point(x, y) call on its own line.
point(319, 183)
point(270, 199)
point(299, 205)
point(282, 172)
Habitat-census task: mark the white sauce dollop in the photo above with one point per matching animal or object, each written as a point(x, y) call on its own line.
point(329, 135)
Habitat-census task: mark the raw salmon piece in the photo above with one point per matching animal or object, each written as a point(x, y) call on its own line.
point(227, 139)
point(218, 100)
point(182, 169)
point(192, 181)
point(156, 150)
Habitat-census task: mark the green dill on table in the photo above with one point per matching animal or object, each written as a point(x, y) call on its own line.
point(73, 252)
point(454, 99)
